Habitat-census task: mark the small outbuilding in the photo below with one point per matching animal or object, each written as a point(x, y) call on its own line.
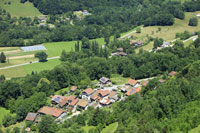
point(31, 117)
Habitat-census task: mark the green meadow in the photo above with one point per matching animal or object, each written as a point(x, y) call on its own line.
point(17, 9)
point(168, 33)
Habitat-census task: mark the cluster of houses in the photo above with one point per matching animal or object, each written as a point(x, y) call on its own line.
point(100, 97)
point(81, 14)
point(136, 43)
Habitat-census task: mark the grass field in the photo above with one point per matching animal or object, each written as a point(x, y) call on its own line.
point(118, 79)
point(17, 9)
point(111, 128)
point(38, 67)
point(168, 33)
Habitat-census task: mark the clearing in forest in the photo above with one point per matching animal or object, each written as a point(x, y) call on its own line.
point(17, 9)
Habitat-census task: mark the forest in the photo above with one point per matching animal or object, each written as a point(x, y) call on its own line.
point(158, 107)
point(107, 18)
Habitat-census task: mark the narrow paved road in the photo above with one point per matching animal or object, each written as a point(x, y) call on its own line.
point(122, 37)
point(57, 57)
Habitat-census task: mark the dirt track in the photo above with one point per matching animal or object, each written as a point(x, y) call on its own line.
point(12, 51)
point(24, 56)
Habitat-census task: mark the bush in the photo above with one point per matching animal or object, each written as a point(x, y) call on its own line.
point(8, 120)
point(193, 21)
point(42, 56)
point(138, 30)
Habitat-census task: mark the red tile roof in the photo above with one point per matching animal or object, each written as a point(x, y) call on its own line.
point(73, 88)
point(132, 81)
point(31, 116)
point(74, 102)
point(71, 98)
point(64, 101)
point(105, 101)
point(103, 93)
point(89, 91)
point(94, 96)
point(51, 111)
point(112, 94)
point(82, 103)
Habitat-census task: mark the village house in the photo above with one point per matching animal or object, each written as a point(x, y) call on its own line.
point(82, 104)
point(31, 117)
point(136, 43)
point(42, 19)
point(165, 44)
point(133, 91)
point(105, 81)
point(73, 88)
point(133, 42)
point(52, 111)
point(124, 89)
point(87, 93)
point(94, 96)
point(57, 99)
point(172, 73)
point(139, 43)
point(120, 50)
point(85, 13)
point(113, 96)
point(132, 82)
point(162, 80)
point(103, 93)
point(73, 103)
point(64, 102)
point(105, 102)
point(71, 98)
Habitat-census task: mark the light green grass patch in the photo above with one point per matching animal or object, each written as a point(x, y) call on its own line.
point(3, 112)
point(13, 72)
point(87, 128)
point(111, 128)
point(20, 124)
point(17, 9)
point(187, 43)
point(64, 90)
point(56, 48)
point(195, 130)
point(118, 79)
point(38, 67)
